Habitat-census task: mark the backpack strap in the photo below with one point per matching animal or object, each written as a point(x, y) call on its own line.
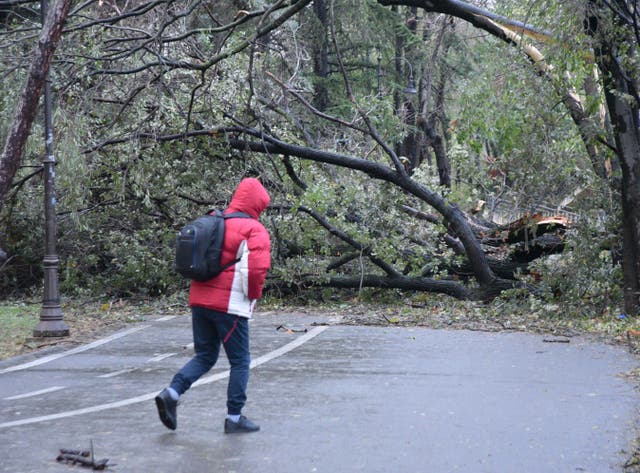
point(236, 215)
point(220, 213)
point(227, 216)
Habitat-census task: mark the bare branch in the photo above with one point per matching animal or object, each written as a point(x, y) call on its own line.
point(365, 250)
point(372, 131)
point(314, 110)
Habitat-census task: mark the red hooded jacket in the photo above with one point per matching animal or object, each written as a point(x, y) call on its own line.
point(233, 289)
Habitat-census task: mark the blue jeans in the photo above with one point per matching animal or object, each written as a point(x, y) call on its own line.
point(210, 329)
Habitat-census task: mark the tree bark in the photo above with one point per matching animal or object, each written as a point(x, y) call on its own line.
point(432, 110)
point(27, 106)
point(452, 288)
point(621, 93)
point(321, 57)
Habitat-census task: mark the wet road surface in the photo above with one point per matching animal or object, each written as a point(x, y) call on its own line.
point(335, 398)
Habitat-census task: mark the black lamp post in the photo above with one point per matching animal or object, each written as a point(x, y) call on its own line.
point(51, 320)
point(410, 88)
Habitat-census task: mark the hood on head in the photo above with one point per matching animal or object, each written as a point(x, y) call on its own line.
point(250, 197)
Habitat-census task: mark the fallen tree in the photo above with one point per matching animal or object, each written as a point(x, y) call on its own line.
point(492, 254)
point(462, 236)
point(501, 252)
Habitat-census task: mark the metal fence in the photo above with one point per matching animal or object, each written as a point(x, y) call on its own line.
point(502, 212)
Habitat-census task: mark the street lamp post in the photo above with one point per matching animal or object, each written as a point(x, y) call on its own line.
point(51, 319)
point(410, 88)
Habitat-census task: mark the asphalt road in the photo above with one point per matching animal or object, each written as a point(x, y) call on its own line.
point(335, 398)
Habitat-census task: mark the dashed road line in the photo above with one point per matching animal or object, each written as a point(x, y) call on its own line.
point(147, 397)
point(117, 373)
point(129, 370)
point(160, 357)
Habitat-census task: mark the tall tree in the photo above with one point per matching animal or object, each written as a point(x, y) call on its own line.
point(27, 106)
point(321, 56)
point(614, 27)
point(615, 31)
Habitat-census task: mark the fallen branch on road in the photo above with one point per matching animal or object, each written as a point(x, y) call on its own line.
point(83, 458)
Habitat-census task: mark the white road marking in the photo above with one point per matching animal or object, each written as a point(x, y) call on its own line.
point(160, 357)
point(116, 373)
point(129, 370)
point(34, 393)
point(157, 358)
point(147, 397)
point(97, 343)
point(166, 317)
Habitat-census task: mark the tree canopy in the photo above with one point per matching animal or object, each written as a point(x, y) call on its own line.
point(415, 145)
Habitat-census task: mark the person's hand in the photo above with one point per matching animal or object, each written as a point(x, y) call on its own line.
point(254, 303)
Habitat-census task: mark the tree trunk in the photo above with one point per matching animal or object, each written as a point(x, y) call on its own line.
point(430, 113)
point(452, 288)
point(27, 106)
point(438, 142)
point(631, 237)
point(624, 116)
point(621, 93)
point(321, 57)
point(622, 101)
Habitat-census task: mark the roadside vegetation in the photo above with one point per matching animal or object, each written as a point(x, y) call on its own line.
point(90, 319)
point(445, 165)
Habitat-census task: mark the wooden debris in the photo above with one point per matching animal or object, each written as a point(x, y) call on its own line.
point(82, 458)
point(284, 328)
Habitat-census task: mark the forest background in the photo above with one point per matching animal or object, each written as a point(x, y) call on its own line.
point(417, 152)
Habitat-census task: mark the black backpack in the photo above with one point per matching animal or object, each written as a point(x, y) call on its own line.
point(199, 246)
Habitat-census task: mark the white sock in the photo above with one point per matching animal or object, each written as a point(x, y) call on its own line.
point(233, 418)
point(173, 393)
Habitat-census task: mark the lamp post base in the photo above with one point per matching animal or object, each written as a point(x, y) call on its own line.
point(51, 323)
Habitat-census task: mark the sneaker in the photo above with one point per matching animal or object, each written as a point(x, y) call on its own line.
point(243, 425)
point(167, 409)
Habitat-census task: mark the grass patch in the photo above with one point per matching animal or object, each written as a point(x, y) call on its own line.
point(87, 319)
point(17, 322)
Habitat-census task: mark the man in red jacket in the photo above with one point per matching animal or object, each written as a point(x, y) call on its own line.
point(221, 308)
